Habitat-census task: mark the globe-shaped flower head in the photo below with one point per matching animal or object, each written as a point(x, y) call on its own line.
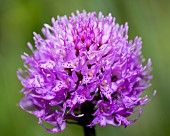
point(85, 70)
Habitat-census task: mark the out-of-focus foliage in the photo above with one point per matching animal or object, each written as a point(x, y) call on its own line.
point(148, 19)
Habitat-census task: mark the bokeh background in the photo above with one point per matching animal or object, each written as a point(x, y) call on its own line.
point(149, 19)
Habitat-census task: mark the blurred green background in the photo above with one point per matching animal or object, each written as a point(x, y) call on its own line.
point(149, 19)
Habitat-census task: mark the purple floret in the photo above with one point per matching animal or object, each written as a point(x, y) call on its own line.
point(85, 70)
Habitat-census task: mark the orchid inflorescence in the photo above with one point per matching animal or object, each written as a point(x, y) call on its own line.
point(85, 70)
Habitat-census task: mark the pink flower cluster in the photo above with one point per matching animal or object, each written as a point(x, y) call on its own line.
point(86, 70)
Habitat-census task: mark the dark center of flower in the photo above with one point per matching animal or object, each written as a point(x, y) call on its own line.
point(114, 78)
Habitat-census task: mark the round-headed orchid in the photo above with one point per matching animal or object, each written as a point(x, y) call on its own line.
point(84, 70)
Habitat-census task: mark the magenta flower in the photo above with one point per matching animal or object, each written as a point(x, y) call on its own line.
point(85, 70)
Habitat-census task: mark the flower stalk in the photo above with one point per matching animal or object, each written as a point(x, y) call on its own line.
point(87, 109)
point(89, 131)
